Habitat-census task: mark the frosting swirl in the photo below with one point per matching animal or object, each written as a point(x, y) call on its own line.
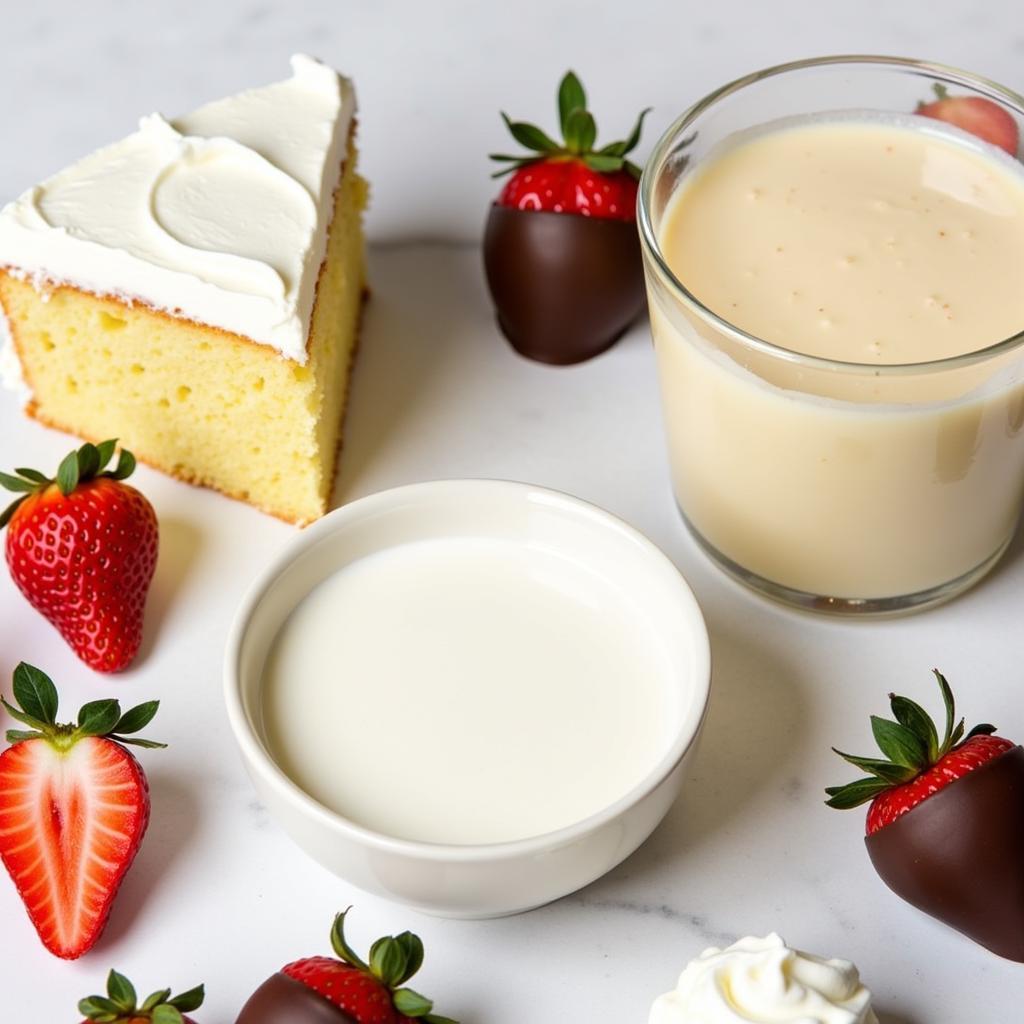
point(220, 216)
point(763, 980)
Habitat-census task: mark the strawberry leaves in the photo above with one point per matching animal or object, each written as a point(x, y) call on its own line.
point(617, 150)
point(393, 960)
point(78, 467)
point(389, 961)
point(37, 703)
point(941, 93)
point(342, 950)
point(898, 743)
point(120, 1004)
point(121, 990)
point(137, 718)
point(412, 1004)
point(89, 463)
point(530, 136)
point(12, 483)
point(910, 744)
point(580, 131)
point(35, 692)
point(886, 771)
point(98, 717)
point(853, 794)
point(911, 715)
point(579, 135)
point(571, 96)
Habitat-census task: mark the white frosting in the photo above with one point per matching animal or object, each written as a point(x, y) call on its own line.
point(763, 980)
point(220, 216)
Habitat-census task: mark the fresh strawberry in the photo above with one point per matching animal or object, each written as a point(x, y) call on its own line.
point(74, 805)
point(917, 765)
point(371, 993)
point(120, 1005)
point(82, 548)
point(975, 114)
point(572, 176)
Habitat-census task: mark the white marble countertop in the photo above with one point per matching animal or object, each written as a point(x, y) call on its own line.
point(218, 893)
point(432, 76)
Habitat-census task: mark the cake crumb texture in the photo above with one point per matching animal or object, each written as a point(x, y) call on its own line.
point(197, 402)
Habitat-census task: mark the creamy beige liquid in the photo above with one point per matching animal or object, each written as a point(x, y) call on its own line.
point(867, 242)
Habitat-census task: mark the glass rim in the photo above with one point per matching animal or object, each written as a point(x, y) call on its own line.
point(678, 128)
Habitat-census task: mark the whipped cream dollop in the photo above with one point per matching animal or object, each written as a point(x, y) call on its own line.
point(220, 216)
point(763, 980)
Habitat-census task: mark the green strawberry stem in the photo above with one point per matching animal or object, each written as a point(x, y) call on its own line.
point(941, 93)
point(394, 959)
point(37, 702)
point(579, 135)
point(78, 467)
point(121, 1004)
point(910, 744)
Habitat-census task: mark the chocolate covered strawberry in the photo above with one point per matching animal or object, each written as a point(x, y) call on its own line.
point(329, 990)
point(82, 548)
point(945, 826)
point(560, 249)
point(74, 806)
point(121, 1005)
point(975, 114)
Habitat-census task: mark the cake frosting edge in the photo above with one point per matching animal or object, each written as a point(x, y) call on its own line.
point(226, 219)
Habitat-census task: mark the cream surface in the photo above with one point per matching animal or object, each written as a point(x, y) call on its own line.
point(763, 980)
point(220, 216)
point(870, 242)
point(863, 241)
point(466, 691)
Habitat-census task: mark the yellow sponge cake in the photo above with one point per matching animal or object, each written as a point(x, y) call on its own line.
point(195, 291)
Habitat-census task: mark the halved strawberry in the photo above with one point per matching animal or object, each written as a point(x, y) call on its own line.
point(121, 1005)
point(975, 114)
point(74, 806)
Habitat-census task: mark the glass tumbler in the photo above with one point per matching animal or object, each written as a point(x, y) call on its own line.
point(840, 486)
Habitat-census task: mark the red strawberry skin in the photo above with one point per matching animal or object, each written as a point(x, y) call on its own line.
point(893, 803)
point(353, 991)
point(569, 186)
point(85, 562)
point(71, 823)
point(979, 116)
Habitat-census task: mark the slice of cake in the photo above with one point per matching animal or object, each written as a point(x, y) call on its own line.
point(195, 290)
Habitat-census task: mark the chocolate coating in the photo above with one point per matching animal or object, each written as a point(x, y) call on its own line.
point(959, 856)
point(565, 286)
point(282, 1000)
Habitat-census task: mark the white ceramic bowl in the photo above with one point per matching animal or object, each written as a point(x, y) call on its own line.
point(493, 879)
